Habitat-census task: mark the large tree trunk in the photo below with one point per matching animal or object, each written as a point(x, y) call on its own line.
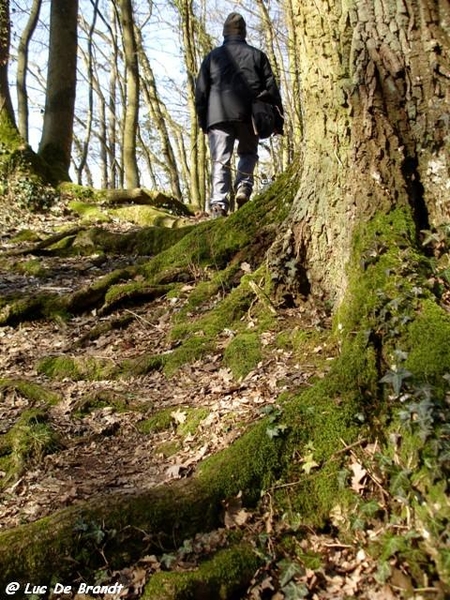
point(375, 100)
point(56, 142)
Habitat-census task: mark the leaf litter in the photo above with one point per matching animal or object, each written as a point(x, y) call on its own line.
point(105, 451)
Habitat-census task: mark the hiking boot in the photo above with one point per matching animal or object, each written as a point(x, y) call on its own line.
point(242, 195)
point(217, 210)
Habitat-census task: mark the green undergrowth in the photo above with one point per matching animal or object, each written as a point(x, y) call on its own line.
point(30, 439)
point(395, 359)
point(33, 392)
point(185, 421)
point(99, 399)
point(243, 354)
point(32, 436)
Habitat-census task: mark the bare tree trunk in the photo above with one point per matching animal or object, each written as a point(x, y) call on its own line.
point(186, 11)
point(57, 134)
point(90, 85)
point(102, 138)
point(132, 95)
point(375, 87)
point(6, 108)
point(156, 110)
point(22, 62)
point(115, 174)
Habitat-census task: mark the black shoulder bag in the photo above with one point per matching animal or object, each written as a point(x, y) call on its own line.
point(263, 115)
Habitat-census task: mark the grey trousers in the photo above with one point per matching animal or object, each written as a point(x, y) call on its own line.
point(221, 144)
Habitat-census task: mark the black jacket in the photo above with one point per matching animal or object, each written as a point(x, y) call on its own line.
point(230, 77)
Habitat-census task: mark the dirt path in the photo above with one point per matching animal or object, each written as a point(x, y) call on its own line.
point(104, 450)
point(105, 447)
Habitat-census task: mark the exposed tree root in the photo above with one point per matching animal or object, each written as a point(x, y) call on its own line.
point(64, 543)
point(225, 576)
point(145, 197)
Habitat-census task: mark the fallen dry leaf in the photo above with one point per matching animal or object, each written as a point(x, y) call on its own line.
point(359, 475)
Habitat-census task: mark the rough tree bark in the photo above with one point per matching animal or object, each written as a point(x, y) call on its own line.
point(375, 91)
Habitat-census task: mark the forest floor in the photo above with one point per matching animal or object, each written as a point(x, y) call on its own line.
point(105, 450)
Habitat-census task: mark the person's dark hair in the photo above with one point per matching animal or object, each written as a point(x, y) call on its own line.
point(234, 25)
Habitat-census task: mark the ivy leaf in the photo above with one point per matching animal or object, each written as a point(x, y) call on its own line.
point(396, 378)
point(384, 572)
point(309, 463)
point(275, 430)
point(168, 559)
point(288, 571)
point(295, 591)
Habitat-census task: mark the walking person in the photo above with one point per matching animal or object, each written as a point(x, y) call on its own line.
point(230, 78)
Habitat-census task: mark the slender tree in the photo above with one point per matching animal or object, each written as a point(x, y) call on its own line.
point(89, 82)
point(157, 111)
point(22, 67)
point(189, 35)
point(6, 108)
point(132, 94)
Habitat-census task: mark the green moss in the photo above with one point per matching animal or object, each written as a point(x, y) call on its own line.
point(208, 289)
point(160, 421)
point(32, 267)
point(81, 192)
point(226, 314)
point(88, 211)
point(144, 216)
point(224, 577)
point(30, 390)
point(75, 368)
point(427, 344)
point(22, 309)
point(384, 265)
point(141, 365)
point(194, 348)
point(9, 134)
point(164, 420)
point(243, 354)
point(214, 244)
point(168, 449)
point(27, 442)
point(25, 235)
point(321, 421)
point(100, 399)
point(194, 417)
point(249, 465)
